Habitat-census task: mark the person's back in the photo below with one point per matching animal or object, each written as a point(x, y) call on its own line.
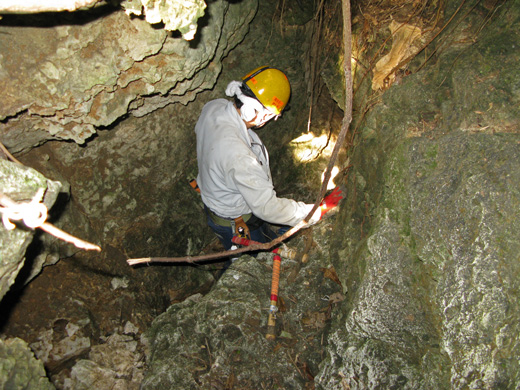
point(234, 176)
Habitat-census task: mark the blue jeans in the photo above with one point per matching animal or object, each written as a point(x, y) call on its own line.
point(224, 233)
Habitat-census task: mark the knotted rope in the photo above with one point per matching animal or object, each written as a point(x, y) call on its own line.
point(34, 214)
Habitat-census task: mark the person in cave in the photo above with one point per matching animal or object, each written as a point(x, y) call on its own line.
point(234, 177)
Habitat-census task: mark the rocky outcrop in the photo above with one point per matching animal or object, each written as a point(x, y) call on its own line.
point(89, 69)
point(19, 368)
point(219, 340)
point(21, 185)
point(428, 249)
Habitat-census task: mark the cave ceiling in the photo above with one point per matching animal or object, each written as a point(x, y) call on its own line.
point(70, 74)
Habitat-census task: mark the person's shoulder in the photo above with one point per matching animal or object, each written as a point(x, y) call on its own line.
point(216, 103)
point(215, 108)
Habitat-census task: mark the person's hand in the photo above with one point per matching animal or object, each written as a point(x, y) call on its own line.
point(330, 201)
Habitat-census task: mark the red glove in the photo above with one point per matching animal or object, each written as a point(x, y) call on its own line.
point(331, 200)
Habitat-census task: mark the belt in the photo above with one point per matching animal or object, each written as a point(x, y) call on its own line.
point(222, 221)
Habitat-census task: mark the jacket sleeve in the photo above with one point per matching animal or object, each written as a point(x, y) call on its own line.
point(249, 178)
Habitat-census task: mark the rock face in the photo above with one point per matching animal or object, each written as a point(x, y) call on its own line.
point(219, 340)
point(65, 81)
point(19, 368)
point(440, 256)
point(432, 281)
point(21, 185)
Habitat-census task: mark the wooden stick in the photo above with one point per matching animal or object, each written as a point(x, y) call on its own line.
point(193, 259)
point(8, 154)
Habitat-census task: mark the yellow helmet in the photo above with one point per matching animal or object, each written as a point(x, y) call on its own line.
point(270, 86)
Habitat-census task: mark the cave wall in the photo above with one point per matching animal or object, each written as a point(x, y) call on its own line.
point(129, 190)
point(427, 243)
point(126, 186)
point(70, 74)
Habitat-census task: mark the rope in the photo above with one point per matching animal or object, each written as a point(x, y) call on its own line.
point(34, 214)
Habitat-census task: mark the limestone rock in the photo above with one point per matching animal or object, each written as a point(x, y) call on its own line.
point(66, 340)
point(175, 15)
point(220, 339)
point(114, 364)
point(19, 369)
point(20, 184)
point(432, 276)
point(66, 81)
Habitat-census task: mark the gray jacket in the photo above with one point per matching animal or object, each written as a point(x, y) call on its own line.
point(234, 176)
